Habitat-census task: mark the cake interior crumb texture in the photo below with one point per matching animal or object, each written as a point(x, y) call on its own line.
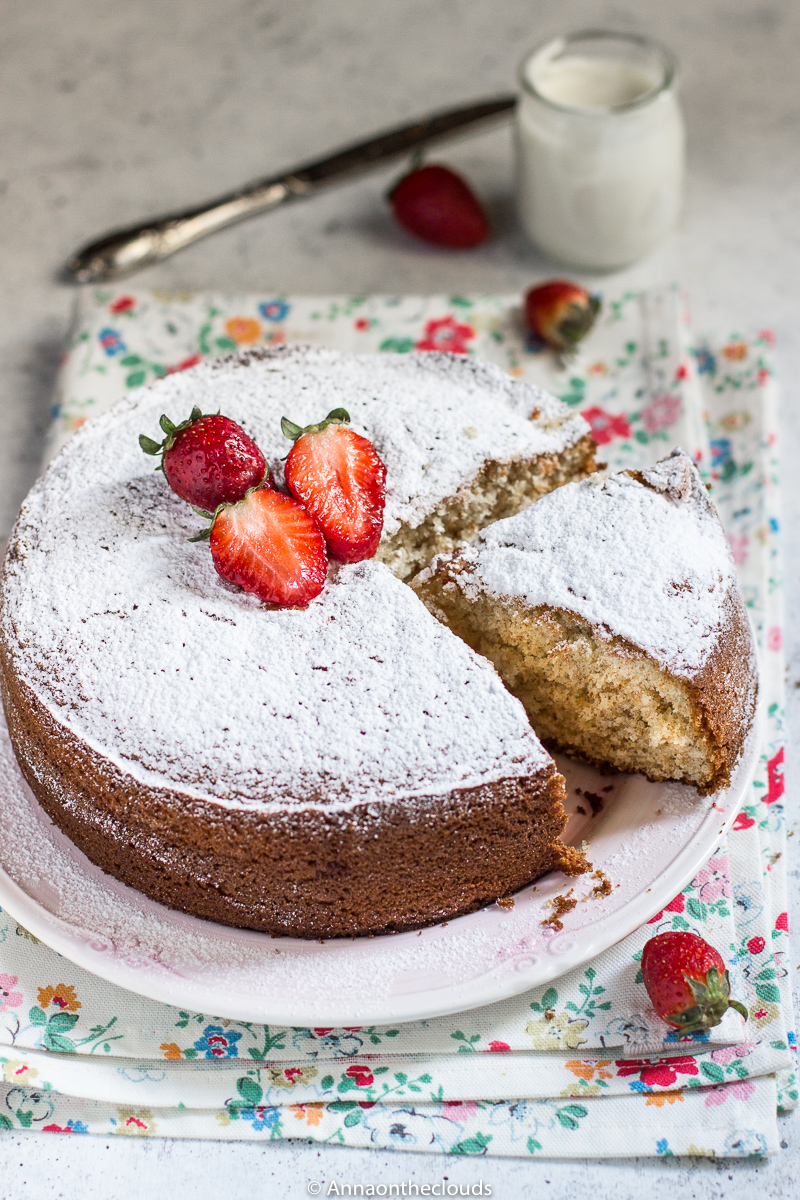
point(499, 489)
point(576, 688)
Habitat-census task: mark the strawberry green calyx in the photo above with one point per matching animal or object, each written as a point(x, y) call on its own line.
point(171, 431)
point(687, 981)
point(712, 1000)
point(577, 321)
point(560, 313)
point(337, 416)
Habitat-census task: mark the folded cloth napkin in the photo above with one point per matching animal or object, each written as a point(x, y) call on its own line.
point(582, 1067)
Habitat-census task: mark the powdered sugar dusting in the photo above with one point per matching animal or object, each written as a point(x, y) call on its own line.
point(124, 630)
point(435, 419)
point(648, 562)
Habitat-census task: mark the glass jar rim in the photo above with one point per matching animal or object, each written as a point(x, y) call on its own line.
point(563, 41)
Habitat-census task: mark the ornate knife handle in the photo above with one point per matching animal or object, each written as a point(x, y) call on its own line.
point(128, 250)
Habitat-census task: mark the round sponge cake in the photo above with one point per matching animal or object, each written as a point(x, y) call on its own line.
point(350, 768)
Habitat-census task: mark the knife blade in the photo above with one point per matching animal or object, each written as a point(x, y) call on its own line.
point(125, 251)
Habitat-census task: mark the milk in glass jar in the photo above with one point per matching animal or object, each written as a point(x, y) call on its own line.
point(600, 148)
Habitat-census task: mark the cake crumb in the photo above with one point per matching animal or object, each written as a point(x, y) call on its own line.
point(572, 861)
point(603, 887)
point(506, 902)
point(596, 802)
point(560, 905)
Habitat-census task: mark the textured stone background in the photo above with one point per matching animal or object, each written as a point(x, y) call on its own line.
point(113, 111)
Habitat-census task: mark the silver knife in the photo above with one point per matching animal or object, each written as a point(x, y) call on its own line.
point(128, 250)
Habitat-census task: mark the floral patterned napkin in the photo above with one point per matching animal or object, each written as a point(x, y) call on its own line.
point(582, 1068)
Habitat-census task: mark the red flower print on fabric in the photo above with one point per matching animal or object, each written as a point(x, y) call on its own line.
point(447, 335)
point(756, 945)
point(362, 1076)
point(675, 906)
point(774, 778)
point(662, 1073)
point(606, 426)
point(184, 366)
point(122, 304)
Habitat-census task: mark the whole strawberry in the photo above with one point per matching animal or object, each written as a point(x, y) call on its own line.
point(561, 313)
point(435, 204)
point(208, 460)
point(687, 982)
point(340, 479)
point(269, 545)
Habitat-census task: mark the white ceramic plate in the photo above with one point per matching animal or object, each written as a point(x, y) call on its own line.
point(650, 840)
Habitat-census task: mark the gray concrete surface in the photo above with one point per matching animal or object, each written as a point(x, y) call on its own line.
point(113, 111)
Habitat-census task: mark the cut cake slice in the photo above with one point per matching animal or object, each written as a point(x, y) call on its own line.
point(612, 609)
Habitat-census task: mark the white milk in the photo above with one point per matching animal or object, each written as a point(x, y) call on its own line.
point(600, 148)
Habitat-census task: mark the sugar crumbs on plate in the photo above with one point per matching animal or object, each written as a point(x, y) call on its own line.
point(560, 905)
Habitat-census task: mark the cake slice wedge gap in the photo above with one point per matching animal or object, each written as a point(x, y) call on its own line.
point(611, 608)
point(463, 443)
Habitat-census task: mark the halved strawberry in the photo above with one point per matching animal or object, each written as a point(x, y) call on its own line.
point(561, 313)
point(208, 460)
point(268, 544)
point(339, 477)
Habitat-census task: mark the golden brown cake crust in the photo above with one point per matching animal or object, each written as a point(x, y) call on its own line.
point(302, 872)
point(724, 692)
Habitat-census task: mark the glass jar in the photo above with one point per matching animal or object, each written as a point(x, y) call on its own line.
point(599, 148)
